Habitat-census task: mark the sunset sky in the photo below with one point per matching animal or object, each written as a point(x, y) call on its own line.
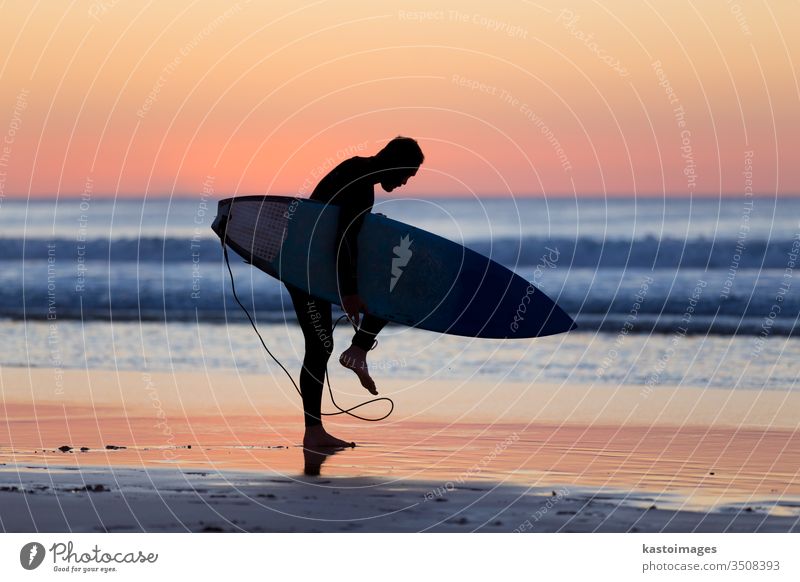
point(525, 98)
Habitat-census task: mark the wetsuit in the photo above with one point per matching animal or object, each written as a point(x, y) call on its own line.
point(349, 186)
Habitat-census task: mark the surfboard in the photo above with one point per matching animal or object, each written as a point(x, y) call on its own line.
point(406, 275)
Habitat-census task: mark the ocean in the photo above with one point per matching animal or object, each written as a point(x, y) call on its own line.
point(675, 291)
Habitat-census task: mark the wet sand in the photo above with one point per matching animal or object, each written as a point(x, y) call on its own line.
point(158, 500)
point(221, 451)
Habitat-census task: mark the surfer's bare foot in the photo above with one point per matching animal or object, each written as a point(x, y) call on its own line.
point(317, 437)
point(354, 358)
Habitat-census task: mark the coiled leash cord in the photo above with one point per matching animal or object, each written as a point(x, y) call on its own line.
point(341, 410)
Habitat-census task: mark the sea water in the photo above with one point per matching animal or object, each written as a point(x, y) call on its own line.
point(700, 292)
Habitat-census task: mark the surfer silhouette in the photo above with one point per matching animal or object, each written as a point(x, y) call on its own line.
point(350, 186)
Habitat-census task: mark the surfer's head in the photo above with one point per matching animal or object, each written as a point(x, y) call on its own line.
point(398, 161)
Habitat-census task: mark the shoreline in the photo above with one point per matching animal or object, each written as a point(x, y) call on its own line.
point(474, 399)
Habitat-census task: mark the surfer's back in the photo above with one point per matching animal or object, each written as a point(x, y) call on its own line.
point(348, 183)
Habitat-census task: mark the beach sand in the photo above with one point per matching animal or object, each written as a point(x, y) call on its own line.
point(220, 452)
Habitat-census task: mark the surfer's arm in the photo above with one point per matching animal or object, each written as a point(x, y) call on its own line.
point(350, 220)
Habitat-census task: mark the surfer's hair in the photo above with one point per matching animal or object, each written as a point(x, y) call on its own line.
point(401, 152)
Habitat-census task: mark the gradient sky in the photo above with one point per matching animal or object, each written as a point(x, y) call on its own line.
point(531, 98)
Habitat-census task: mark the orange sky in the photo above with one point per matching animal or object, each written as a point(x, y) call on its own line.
point(531, 98)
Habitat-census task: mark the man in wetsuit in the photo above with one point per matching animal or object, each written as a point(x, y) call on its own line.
point(349, 186)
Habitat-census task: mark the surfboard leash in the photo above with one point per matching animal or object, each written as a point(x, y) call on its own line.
point(348, 411)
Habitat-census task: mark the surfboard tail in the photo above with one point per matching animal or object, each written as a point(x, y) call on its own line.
point(220, 223)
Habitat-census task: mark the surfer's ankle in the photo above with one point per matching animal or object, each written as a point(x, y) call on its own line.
point(354, 356)
point(358, 350)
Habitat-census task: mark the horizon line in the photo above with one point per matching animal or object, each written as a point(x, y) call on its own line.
point(564, 195)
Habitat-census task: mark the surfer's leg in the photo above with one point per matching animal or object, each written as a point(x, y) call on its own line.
point(369, 329)
point(355, 357)
point(314, 317)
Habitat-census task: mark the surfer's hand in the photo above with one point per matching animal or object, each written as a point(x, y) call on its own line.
point(352, 304)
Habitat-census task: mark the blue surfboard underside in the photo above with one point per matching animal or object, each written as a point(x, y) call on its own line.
point(405, 274)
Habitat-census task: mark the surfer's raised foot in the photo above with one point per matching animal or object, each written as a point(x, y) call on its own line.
point(317, 437)
point(354, 358)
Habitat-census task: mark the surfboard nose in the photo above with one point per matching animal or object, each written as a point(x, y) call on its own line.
point(557, 321)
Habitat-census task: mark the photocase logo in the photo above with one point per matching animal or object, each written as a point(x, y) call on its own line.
point(31, 555)
point(402, 254)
